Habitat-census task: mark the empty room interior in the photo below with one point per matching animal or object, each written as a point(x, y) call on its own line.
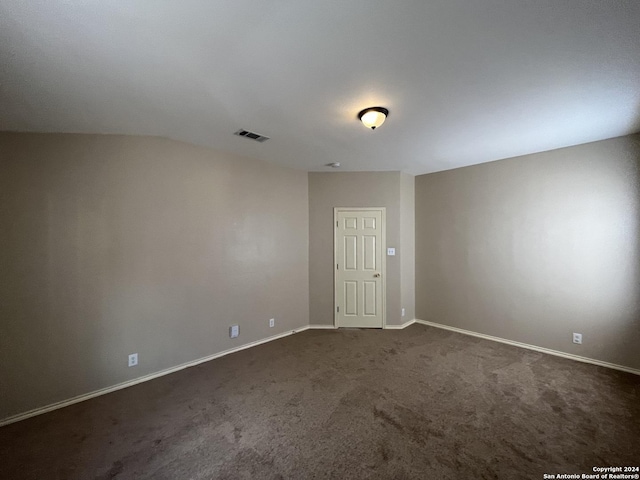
point(345, 240)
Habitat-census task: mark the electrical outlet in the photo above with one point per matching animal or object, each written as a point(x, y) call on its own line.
point(133, 359)
point(577, 338)
point(234, 331)
point(403, 312)
point(272, 322)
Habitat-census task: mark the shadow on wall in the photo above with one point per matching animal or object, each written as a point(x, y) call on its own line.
point(634, 232)
point(534, 248)
point(113, 245)
point(610, 253)
point(599, 228)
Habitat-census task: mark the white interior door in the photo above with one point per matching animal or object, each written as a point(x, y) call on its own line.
point(359, 267)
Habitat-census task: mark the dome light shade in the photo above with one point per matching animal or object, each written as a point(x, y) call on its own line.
point(373, 117)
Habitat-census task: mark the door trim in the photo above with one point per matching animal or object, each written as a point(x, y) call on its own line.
point(383, 211)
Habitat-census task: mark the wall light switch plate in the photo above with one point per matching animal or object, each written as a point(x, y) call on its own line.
point(391, 251)
point(133, 359)
point(234, 331)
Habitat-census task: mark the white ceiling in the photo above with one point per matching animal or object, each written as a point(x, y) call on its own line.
point(465, 81)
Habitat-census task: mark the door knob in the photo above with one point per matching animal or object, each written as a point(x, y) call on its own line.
point(376, 275)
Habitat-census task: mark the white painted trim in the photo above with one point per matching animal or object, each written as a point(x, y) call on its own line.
point(400, 327)
point(557, 353)
point(145, 378)
point(135, 381)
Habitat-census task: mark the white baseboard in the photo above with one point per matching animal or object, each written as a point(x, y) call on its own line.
point(557, 353)
point(400, 327)
point(387, 327)
point(145, 378)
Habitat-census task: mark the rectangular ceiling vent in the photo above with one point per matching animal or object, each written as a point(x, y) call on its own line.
point(253, 136)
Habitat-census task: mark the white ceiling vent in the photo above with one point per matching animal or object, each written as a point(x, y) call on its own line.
point(253, 136)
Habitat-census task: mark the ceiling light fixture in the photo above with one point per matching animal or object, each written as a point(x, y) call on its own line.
point(373, 117)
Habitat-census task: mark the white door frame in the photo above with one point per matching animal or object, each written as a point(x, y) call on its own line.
point(383, 211)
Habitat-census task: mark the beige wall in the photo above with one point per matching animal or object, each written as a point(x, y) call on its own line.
point(350, 189)
point(407, 242)
point(537, 247)
point(111, 245)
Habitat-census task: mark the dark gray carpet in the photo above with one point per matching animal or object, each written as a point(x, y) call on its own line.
point(417, 403)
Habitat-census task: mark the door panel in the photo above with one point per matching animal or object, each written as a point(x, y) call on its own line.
point(350, 259)
point(369, 252)
point(369, 222)
point(350, 223)
point(359, 292)
point(370, 298)
point(350, 298)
